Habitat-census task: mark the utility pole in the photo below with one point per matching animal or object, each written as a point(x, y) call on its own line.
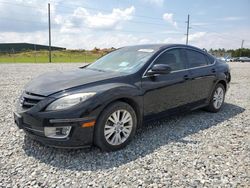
point(49, 33)
point(242, 43)
point(187, 30)
point(35, 51)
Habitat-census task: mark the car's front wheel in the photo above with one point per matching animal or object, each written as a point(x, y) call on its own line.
point(217, 99)
point(115, 127)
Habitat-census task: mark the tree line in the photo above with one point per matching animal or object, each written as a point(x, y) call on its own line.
point(241, 52)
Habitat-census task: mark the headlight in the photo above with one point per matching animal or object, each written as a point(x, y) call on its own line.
point(69, 101)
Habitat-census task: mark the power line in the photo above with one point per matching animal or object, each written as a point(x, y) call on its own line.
point(21, 20)
point(130, 21)
point(223, 36)
point(86, 7)
point(42, 22)
point(21, 5)
point(104, 17)
point(213, 31)
point(156, 24)
point(122, 31)
point(108, 11)
point(108, 29)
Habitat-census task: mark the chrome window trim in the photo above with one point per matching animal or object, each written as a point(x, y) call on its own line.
point(181, 47)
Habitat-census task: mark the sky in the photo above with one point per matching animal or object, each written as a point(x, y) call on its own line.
point(85, 24)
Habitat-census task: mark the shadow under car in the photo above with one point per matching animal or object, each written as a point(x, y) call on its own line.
point(149, 138)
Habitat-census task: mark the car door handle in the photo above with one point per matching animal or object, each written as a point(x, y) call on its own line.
point(186, 77)
point(213, 70)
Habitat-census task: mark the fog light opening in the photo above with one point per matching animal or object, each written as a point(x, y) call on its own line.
point(57, 132)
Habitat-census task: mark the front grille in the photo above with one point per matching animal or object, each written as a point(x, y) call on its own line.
point(29, 100)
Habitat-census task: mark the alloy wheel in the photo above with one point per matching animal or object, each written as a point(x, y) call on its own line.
point(218, 97)
point(118, 127)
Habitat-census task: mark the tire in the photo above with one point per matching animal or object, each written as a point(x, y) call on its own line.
point(212, 107)
point(108, 129)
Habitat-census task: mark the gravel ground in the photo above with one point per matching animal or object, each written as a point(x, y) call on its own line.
point(197, 149)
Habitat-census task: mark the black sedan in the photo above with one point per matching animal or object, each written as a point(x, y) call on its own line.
point(105, 102)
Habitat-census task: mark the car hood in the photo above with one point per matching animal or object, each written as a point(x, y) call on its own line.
point(52, 82)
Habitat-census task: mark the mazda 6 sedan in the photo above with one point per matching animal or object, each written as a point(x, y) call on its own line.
point(104, 103)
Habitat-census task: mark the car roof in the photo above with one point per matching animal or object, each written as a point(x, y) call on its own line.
point(160, 46)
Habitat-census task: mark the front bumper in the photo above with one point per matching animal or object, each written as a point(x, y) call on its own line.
point(34, 127)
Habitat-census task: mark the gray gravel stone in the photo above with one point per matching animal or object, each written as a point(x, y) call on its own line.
point(197, 149)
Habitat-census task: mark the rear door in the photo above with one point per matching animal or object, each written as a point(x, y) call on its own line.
point(202, 74)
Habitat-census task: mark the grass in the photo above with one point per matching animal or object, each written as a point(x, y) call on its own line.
point(57, 56)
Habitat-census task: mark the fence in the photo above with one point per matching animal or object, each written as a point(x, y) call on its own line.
point(42, 56)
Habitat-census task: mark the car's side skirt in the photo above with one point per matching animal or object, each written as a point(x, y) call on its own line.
point(175, 111)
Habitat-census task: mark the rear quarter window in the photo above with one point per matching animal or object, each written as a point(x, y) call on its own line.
point(196, 59)
point(210, 59)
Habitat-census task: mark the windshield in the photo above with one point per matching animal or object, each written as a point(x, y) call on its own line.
point(126, 60)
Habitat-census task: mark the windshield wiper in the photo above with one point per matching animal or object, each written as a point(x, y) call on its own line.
point(84, 66)
point(97, 69)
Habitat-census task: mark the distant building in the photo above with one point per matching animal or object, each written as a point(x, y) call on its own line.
point(18, 47)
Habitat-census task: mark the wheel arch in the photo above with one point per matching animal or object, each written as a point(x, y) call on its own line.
point(221, 81)
point(224, 83)
point(136, 108)
point(132, 102)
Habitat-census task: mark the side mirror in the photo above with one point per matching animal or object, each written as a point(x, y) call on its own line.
point(159, 69)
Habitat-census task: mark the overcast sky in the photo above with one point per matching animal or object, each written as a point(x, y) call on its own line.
point(86, 24)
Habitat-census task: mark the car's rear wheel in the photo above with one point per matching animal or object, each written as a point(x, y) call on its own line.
point(115, 127)
point(217, 99)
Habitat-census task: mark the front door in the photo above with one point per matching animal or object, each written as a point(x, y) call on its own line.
point(167, 91)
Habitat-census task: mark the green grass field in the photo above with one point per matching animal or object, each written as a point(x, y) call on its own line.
point(57, 56)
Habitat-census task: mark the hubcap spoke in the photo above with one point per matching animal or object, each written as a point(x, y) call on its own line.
point(127, 120)
point(118, 138)
point(112, 119)
point(216, 103)
point(118, 115)
point(216, 94)
point(113, 140)
point(115, 117)
point(109, 133)
point(125, 131)
point(109, 126)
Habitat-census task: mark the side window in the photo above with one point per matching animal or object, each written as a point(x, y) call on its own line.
point(173, 58)
point(196, 59)
point(210, 59)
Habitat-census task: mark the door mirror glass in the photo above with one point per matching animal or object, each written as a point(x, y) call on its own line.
point(159, 69)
